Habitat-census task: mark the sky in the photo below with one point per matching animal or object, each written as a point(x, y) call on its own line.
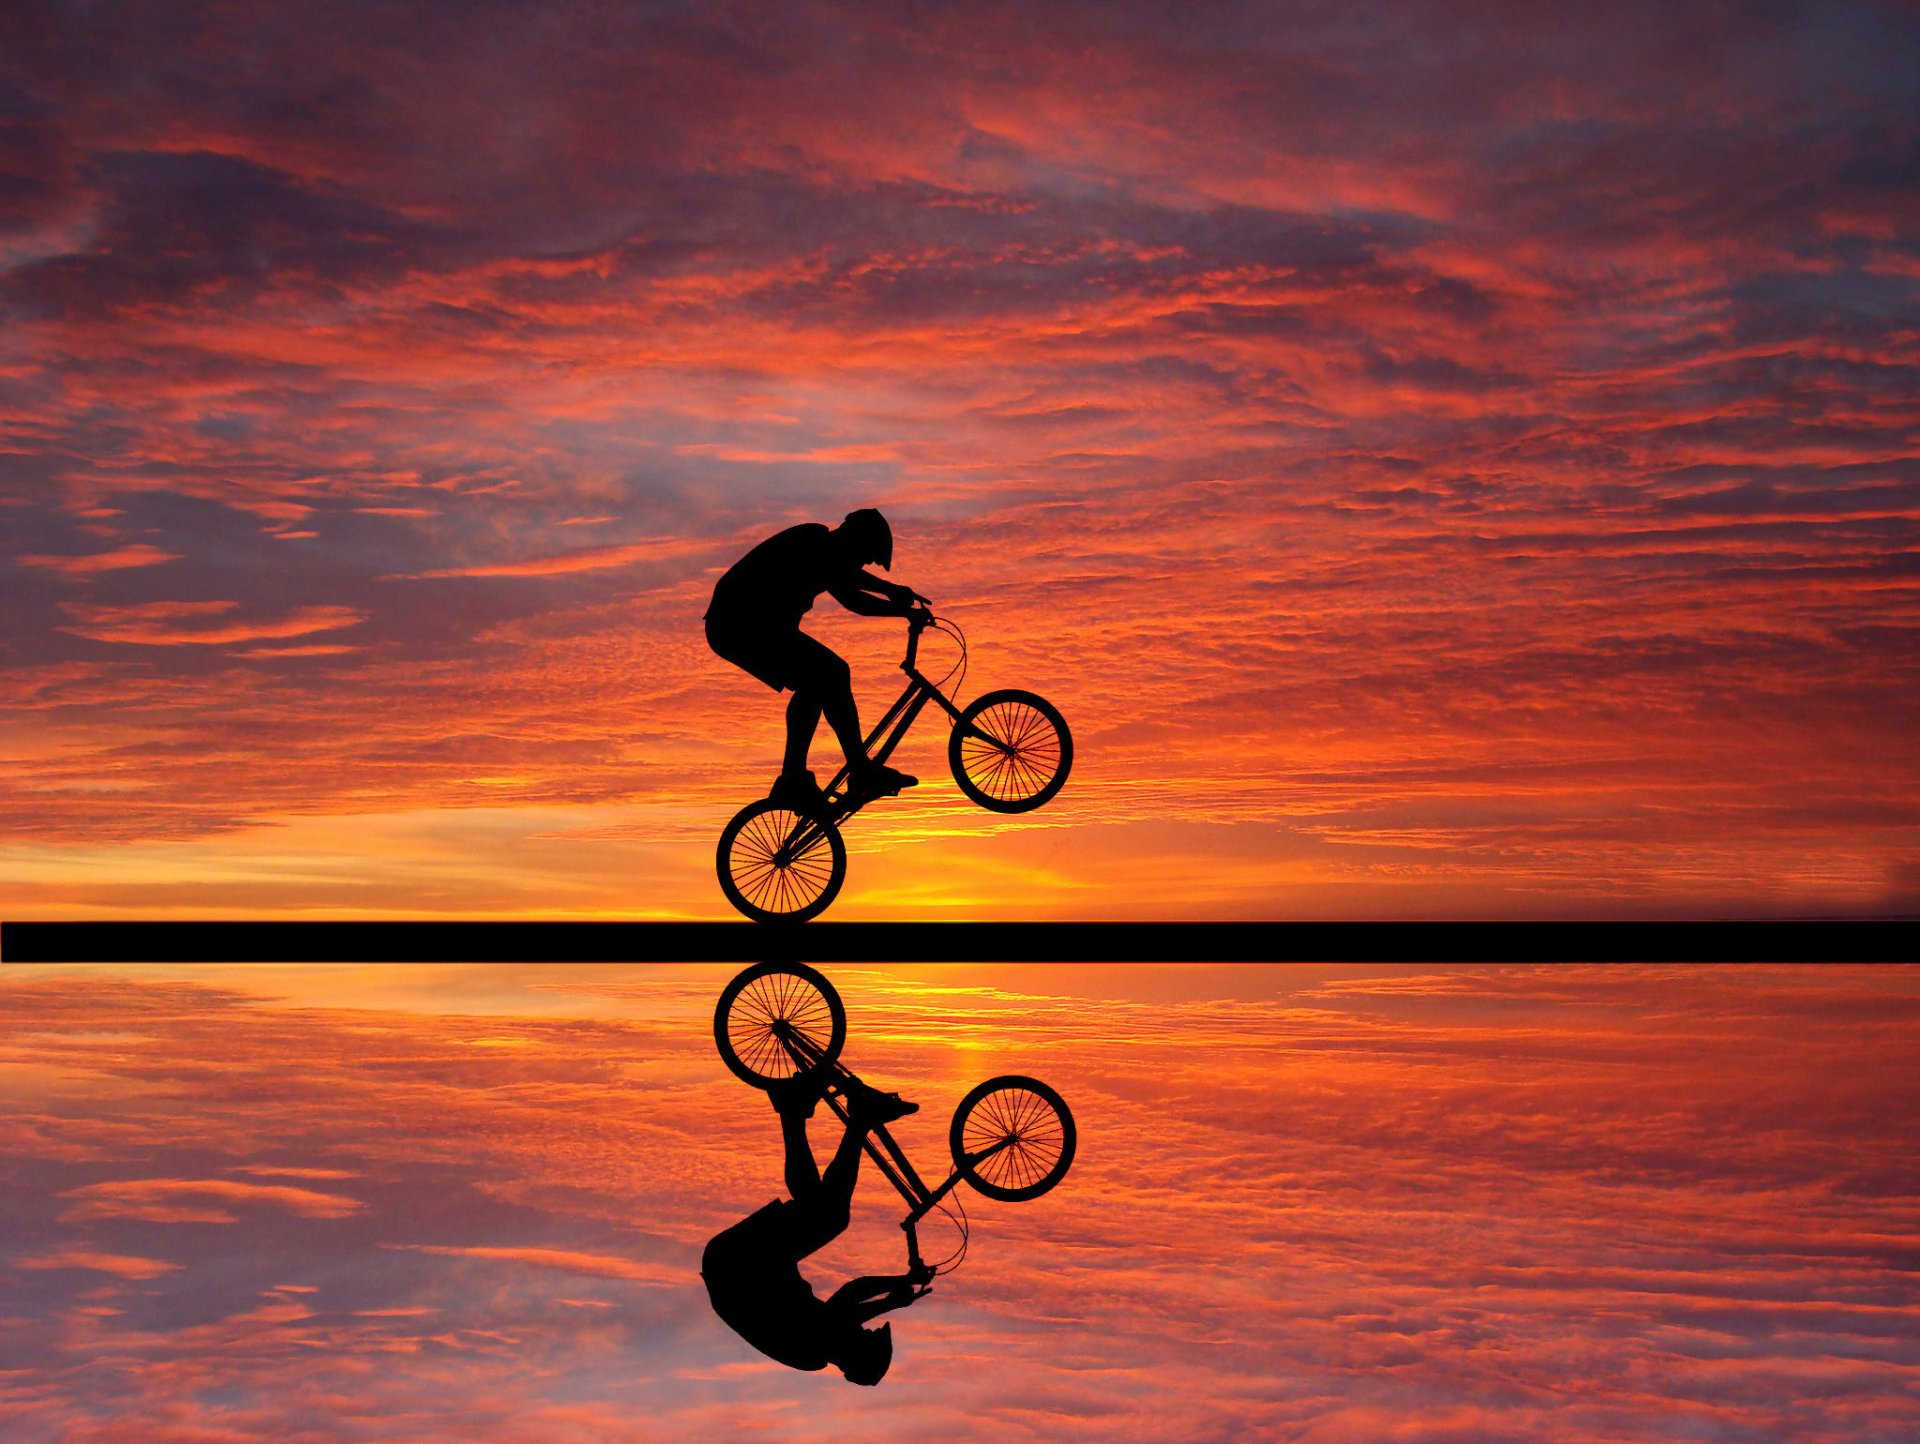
point(1308, 1203)
point(1452, 459)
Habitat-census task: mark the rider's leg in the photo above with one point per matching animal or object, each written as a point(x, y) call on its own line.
point(803, 1174)
point(824, 1202)
point(803, 718)
point(836, 1184)
point(826, 683)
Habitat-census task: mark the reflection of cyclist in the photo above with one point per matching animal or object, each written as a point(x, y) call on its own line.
point(754, 622)
point(752, 1269)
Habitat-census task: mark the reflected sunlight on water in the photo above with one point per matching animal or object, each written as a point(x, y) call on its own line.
point(1310, 1202)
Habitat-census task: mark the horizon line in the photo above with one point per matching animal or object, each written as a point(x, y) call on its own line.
point(1850, 938)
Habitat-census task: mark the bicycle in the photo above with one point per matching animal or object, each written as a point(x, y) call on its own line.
point(1010, 751)
point(1012, 1137)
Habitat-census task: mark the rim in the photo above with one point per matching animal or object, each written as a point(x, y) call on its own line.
point(1032, 1123)
point(1031, 755)
point(763, 878)
point(769, 1005)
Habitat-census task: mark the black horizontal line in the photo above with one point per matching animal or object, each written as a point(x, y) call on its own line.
point(466, 941)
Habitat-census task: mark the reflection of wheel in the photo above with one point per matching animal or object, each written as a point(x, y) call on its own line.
point(778, 866)
point(1028, 1126)
point(1010, 751)
point(769, 1003)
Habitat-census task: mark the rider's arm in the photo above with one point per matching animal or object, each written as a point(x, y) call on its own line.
point(874, 1294)
point(863, 593)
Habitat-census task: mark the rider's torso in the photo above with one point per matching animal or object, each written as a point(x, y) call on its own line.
point(775, 584)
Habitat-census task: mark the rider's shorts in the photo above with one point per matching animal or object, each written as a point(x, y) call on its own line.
point(765, 1234)
point(785, 659)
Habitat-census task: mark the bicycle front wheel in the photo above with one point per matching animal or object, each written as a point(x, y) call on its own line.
point(780, 866)
point(1025, 1132)
point(777, 1021)
point(1010, 751)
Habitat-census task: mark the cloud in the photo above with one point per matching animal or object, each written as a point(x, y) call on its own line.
point(124, 1266)
point(136, 555)
point(590, 559)
point(152, 1199)
point(591, 1265)
point(160, 624)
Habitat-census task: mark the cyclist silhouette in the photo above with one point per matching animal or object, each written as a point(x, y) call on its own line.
point(752, 1269)
point(754, 623)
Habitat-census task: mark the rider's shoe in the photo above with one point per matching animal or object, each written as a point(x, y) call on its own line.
point(876, 779)
point(873, 1108)
point(799, 1095)
point(798, 792)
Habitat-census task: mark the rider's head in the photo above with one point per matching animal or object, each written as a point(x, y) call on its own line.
point(865, 1358)
point(871, 537)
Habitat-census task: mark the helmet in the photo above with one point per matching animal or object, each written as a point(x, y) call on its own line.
point(867, 1359)
point(869, 531)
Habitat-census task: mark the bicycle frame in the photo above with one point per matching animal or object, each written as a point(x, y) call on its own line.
point(879, 1144)
point(886, 735)
point(891, 729)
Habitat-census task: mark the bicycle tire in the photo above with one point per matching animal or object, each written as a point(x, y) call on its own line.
point(1031, 764)
point(763, 886)
point(1035, 1115)
point(764, 994)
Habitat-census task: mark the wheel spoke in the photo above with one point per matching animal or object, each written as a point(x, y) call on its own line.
point(1018, 754)
point(781, 863)
point(1026, 1136)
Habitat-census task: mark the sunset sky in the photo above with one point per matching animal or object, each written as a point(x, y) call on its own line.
point(1446, 459)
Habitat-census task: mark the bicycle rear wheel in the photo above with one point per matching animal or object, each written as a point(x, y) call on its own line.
point(1010, 751)
point(779, 866)
point(1030, 1130)
point(772, 1011)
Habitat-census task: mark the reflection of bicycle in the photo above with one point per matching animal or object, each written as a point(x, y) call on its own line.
point(1012, 1138)
point(1010, 752)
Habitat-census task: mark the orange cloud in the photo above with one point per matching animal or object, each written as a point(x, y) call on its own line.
point(154, 624)
point(152, 1199)
point(138, 554)
point(588, 560)
point(601, 1266)
point(126, 1266)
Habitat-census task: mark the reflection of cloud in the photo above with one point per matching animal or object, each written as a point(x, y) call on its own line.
point(590, 559)
point(153, 1199)
point(1510, 1203)
point(593, 1265)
